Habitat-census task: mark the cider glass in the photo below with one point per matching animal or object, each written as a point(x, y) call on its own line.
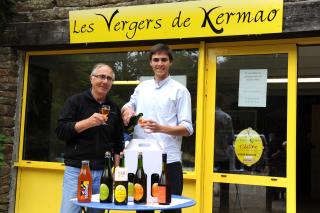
point(105, 110)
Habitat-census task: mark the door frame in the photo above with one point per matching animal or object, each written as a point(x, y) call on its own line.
point(289, 182)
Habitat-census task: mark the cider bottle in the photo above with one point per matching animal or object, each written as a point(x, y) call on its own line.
point(106, 181)
point(164, 189)
point(84, 183)
point(130, 186)
point(154, 185)
point(140, 183)
point(132, 123)
point(121, 183)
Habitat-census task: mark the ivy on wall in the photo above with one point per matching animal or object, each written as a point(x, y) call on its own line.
point(6, 10)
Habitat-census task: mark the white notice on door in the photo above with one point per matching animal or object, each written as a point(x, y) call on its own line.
point(253, 88)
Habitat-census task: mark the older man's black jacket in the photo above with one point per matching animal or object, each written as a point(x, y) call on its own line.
point(92, 143)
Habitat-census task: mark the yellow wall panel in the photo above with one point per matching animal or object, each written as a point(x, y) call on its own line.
point(39, 190)
point(189, 190)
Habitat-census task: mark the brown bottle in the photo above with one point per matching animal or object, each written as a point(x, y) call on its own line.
point(164, 189)
point(140, 183)
point(154, 184)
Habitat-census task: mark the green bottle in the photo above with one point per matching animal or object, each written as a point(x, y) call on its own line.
point(106, 181)
point(130, 186)
point(132, 123)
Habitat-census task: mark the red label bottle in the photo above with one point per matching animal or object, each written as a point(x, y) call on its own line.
point(84, 183)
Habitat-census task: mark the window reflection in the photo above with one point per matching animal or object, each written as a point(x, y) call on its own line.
point(269, 122)
point(53, 78)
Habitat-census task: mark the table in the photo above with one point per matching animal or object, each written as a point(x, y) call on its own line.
point(177, 202)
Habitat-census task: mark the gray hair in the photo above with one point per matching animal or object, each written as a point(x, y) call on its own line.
point(99, 65)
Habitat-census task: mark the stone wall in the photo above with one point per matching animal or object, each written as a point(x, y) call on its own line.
point(44, 23)
point(8, 102)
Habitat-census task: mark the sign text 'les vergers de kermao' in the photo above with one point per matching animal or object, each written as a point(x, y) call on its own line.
point(176, 20)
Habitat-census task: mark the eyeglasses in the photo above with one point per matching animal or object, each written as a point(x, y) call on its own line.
point(103, 77)
point(160, 59)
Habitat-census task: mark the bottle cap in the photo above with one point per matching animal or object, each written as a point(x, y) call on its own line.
point(130, 177)
point(85, 162)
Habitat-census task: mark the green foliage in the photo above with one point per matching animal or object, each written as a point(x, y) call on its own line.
point(3, 139)
point(5, 12)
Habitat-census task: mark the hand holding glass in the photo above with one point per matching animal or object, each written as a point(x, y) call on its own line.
point(104, 110)
point(144, 125)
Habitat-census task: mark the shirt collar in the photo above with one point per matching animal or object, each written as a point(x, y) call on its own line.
point(159, 84)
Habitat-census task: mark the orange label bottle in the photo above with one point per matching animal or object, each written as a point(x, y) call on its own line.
point(84, 183)
point(140, 183)
point(164, 189)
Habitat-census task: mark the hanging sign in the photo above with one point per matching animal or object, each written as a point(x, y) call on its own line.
point(190, 19)
point(248, 147)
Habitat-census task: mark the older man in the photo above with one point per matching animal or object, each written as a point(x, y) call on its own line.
point(89, 134)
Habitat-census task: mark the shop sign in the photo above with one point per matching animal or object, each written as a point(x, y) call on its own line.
point(192, 19)
point(248, 147)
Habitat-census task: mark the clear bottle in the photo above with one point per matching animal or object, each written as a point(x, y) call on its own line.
point(140, 183)
point(121, 183)
point(164, 189)
point(106, 181)
point(132, 123)
point(84, 183)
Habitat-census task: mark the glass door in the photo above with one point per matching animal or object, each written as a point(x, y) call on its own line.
point(250, 129)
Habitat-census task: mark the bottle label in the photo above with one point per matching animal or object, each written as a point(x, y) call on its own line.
point(104, 191)
point(162, 194)
point(121, 174)
point(120, 193)
point(154, 192)
point(84, 190)
point(138, 192)
point(130, 189)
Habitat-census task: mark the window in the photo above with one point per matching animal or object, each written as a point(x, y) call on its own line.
point(269, 121)
point(53, 78)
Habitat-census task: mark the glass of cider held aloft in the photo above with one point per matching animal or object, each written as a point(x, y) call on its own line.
point(105, 110)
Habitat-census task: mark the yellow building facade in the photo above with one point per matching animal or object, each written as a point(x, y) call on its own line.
point(268, 81)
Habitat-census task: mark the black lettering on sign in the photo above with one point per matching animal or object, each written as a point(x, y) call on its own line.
point(245, 17)
point(274, 12)
point(208, 20)
point(158, 24)
point(108, 22)
point(75, 26)
point(83, 29)
point(222, 19)
point(90, 30)
point(178, 23)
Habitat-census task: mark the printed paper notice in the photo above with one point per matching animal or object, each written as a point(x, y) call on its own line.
point(253, 88)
